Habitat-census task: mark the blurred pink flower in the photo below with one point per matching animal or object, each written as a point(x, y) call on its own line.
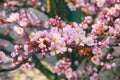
point(13, 17)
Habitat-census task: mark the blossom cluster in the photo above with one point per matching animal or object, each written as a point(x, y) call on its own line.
point(66, 37)
point(99, 30)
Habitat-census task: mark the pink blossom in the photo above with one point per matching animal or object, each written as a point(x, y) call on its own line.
point(19, 30)
point(20, 58)
point(23, 23)
point(100, 3)
point(94, 77)
point(117, 6)
point(88, 19)
point(76, 63)
point(95, 60)
point(108, 66)
point(109, 56)
point(89, 40)
point(98, 52)
point(58, 48)
point(102, 63)
point(13, 54)
point(113, 65)
point(71, 6)
point(16, 46)
point(26, 47)
point(27, 66)
point(69, 50)
point(13, 65)
point(63, 67)
point(13, 17)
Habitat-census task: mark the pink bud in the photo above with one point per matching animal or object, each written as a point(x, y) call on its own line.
point(13, 65)
point(100, 43)
point(43, 9)
point(12, 60)
point(69, 50)
point(108, 66)
point(49, 48)
point(17, 53)
point(16, 50)
point(26, 66)
point(113, 65)
point(46, 49)
point(43, 53)
point(76, 63)
point(13, 54)
point(69, 42)
point(20, 58)
point(102, 64)
point(16, 47)
point(20, 46)
point(26, 47)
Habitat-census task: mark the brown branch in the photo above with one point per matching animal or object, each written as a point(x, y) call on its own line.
point(19, 64)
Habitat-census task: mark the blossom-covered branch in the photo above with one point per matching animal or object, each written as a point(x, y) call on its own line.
point(19, 64)
point(93, 37)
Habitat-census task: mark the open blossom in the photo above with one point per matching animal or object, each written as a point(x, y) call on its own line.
point(19, 30)
point(13, 17)
point(54, 49)
point(113, 12)
point(56, 36)
point(98, 52)
point(80, 38)
point(117, 6)
point(57, 48)
point(23, 23)
point(112, 30)
point(97, 28)
point(62, 46)
point(100, 3)
point(69, 73)
point(74, 34)
point(95, 60)
point(117, 25)
point(89, 40)
point(32, 35)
